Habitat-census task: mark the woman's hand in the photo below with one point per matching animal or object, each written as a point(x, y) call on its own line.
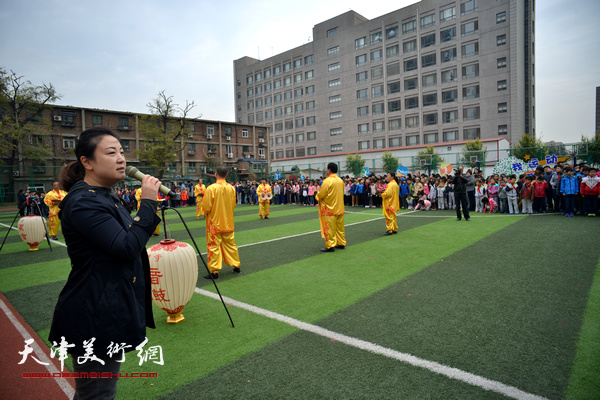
point(150, 187)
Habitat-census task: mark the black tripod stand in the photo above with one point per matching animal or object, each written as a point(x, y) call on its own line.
point(18, 214)
point(199, 254)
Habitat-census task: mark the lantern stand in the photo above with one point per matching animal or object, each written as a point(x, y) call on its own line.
point(199, 254)
point(16, 216)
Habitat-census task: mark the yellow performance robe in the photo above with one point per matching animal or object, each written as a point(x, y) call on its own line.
point(391, 205)
point(218, 204)
point(263, 205)
point(54, 196)
point(199, 193)
point(331, 211)
point(138, 197)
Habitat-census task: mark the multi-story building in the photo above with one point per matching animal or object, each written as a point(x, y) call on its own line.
point(431, 73)
point(241, 147)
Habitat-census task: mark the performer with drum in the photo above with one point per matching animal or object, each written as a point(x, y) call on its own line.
point(264, 198)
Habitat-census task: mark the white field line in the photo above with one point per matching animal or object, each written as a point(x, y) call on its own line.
point(52, 240)
point(61, 382)
point(452, 373)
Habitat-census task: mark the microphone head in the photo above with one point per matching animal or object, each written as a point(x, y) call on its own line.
point(130, 170)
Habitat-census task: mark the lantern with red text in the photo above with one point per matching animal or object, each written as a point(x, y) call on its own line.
point(32, 230)
point(173, 275)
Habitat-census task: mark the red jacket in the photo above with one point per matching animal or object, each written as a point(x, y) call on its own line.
point(586, 190)
point(540, 188)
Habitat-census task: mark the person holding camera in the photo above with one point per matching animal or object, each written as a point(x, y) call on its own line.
point(460, 195)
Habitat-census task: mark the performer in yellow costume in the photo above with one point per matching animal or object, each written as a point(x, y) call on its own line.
point(52, 200)
point(391, 204)
point(218, 204)
point(138, 197)
point(331, 210)
point(199, 190)
point(263, 204)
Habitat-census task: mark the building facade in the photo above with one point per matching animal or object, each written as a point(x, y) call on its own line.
point(431, 73)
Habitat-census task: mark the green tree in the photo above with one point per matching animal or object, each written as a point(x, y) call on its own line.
point(426, 158)
point(529, 147)
point(21, 106)
point(165, 132)
point(473, 149)
point(354, 163)
point(389, 162)
point(593, 148)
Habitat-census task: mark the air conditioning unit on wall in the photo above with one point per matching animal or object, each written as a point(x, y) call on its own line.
point(57, 118)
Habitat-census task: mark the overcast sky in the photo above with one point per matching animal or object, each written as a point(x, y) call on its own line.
point(118, 55)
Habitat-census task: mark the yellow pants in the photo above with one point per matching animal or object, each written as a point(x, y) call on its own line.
point(333, 227)
point(221, 247)
point(391, 221)
point(54, 225)
point(263, 209)
point(198, 207)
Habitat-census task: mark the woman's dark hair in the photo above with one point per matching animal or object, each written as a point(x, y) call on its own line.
point(85, 146)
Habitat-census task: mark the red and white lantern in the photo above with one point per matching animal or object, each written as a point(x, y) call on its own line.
point(173, 275)
point(32, 230)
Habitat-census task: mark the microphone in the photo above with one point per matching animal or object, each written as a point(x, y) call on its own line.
point(135, 173)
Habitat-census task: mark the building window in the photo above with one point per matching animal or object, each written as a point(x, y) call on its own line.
point(502, 108)
point(289, 139)
point(298, 93)
point(394, 124)
point(362, 94)
point(245, 133)
point(287, 110)
point(269, 114)
point(298, 78)
point(300, 138)
point(250, 92)
point(278, 112)
point(448, 14)
point(310, 136)
point(468, 7)
point(363, 129)
point(412, 122)
point(451, 136)
point(393, 87)
point(361, 42)
point(502, 129)
point(412, 140)
point(332, 32)
point(428, 60)
point(259, 103)
point(501, 63)
point(361, 60)
point(308, 75)
point(335, 99)
point(268, 87)
point(364, 145)
point(376, 37)
point(287, 67)
point(277, 84)
point(278, 127)
point(391, 33)
point(430, 119)
point(362, 111)
point(394, 106)
point(410, 83)
point(308, 60)
point(277, 70)
point(500, 40)
point(334, 83)
point(377, 91)
point(378, 126)
point(449, 96)
point(429, 80)
point(69, 143)
point(299, 123)
point(334, 50)
point(96, 120)
point(410, 65)
point(335, 115)
point(300, 152)
point(470, 28)
point(448, 34)
point(470, 49)
point(470, 113)
point(289, 125)
point(124, 123)
point(333, 67)
point(502, 85)
point(449, 117)
point(297, 63)
point(278, 98)
point(258, 77)
point(378, 143)
point(335, 132)
point(287, 96)
point(395, 142)
point(376, 73)
point(279, 140)
point(428, 40)
point(298, 107)
point(501, 17)
point(287, 81)
point(279, 154)
point(427, 21)
point(311, 151)
point(411, 102)
point(377, 55)
point(336, 148)
point(409, 45)
point(393, 69)
point(249, 80)
point(429, 99)
point(362, 77)
point(471, 133)
point(409, 27)
point(310, 105)
point(267, 73)
point(470, 71)
point(289, 153)
point(471, 92)
point(448, 55)
point(310, 90)
point(126, 146)
point(430, 138)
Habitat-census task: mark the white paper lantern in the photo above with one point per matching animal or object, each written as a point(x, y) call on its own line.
point(173, 275)
point(32, 230)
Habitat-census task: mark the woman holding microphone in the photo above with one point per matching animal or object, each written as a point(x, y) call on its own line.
point(105, 306)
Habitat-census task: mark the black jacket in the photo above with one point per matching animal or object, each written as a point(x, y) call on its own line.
point(107, 294)
point(460, 184)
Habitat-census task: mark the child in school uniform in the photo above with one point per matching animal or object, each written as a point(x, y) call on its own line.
point(527, 196)
point(489, 205)
point(512, 194)
point(480, 193)
point(441, 188)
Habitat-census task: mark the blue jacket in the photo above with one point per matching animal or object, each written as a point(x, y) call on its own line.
point(353, 189)
point(404, 189)
point(360, 188)
point(569, 185)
